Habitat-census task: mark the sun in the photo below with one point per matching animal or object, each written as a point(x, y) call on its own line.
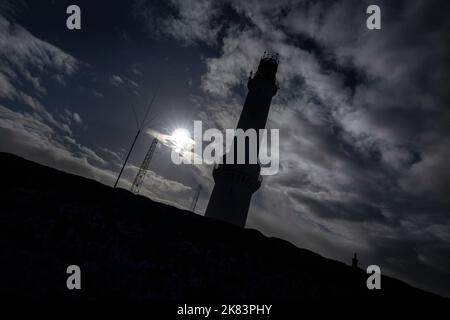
point(181, 138)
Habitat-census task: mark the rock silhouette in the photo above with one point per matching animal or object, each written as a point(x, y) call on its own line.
point(130, 247)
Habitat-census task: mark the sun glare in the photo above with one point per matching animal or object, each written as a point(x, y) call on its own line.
point(181, 139)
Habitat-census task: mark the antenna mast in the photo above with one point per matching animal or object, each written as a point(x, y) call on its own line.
point(139, 128)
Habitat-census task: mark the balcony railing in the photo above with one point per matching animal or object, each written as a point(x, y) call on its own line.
point(272, 56)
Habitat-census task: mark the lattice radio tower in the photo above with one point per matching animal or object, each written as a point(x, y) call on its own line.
point(139, 126)
point(139, 179)
point(195, 199)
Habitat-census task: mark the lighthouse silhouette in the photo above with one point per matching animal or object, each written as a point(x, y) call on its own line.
point(235, 183)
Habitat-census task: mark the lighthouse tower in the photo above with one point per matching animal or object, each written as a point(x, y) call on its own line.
point(236, 183)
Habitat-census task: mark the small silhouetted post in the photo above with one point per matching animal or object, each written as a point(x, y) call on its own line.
point(195, 199)
point(355, 261)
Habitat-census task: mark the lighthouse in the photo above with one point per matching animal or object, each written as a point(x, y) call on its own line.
point(235, 182)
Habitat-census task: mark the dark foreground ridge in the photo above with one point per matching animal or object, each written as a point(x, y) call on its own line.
point(130, 247)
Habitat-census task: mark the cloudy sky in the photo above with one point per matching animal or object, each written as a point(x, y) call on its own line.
point(363, 115)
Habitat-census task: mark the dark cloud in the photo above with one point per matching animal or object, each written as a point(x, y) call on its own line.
point(363, 116)
point(362, 121)
point(333, 209)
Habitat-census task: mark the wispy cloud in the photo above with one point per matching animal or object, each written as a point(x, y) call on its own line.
point(120, 81)
point(190, 22)
point(361, 115)
point(47, 137)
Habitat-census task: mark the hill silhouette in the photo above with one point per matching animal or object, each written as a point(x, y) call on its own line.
point(130, 247)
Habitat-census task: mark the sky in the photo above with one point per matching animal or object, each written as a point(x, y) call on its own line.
point(363, 114)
